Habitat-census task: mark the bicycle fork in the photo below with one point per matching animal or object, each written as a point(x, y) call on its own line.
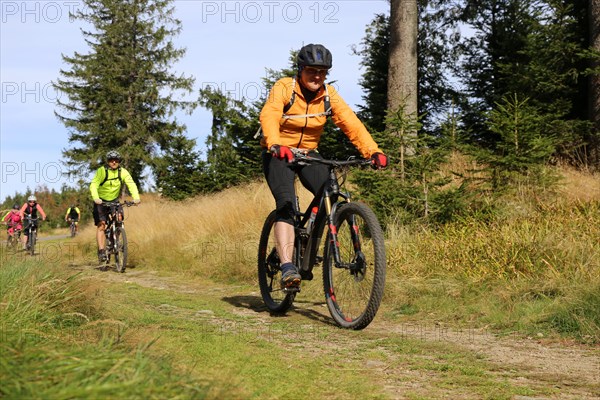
point(334, 243)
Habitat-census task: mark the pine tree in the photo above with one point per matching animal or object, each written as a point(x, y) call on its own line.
point(180, 171)
point(121, 94)
point(437, 53)
point(374, 51)
point(233, 155)
point(525, 143)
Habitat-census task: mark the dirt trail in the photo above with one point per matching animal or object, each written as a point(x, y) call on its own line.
point(573, 370)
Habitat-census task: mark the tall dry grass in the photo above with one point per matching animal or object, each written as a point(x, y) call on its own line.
point(536, 251)
point(213, 236)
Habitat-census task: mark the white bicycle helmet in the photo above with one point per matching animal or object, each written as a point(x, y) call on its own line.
point(32, 198)
point(113, 155)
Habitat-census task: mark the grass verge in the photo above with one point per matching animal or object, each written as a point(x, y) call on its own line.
point(56, 342)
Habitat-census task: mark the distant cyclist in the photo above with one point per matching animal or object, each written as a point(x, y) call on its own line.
point(13, 221)
point(31, 209)
point(292, 120)
point(106, 187)
point(73, 214)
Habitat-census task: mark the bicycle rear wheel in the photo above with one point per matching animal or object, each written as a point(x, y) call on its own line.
point(269, 271)
point(354, 289)
point(120, 246)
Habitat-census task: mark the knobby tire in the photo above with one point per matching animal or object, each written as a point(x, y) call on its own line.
point(32, 242)
point(269, 271)
point(120, 249)
point(13, 241)
point(354, 291)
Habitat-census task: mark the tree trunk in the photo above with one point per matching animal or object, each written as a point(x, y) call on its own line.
point(402, 67)
point(594, 18)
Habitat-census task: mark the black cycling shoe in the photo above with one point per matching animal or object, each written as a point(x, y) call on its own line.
point(102, 256)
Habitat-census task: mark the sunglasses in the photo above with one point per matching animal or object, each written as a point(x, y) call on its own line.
point(114, 160)
point(315, 71)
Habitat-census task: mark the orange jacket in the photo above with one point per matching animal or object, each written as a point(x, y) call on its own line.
point(305, 133)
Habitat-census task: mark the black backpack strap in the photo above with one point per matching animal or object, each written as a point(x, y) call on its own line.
point(106, 175)
point(289, 105)
point(286, 108)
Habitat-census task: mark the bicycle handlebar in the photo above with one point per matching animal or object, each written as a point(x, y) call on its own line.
point(301, 159)
point(118, 203)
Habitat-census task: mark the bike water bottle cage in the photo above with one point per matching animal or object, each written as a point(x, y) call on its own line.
point(111, 179)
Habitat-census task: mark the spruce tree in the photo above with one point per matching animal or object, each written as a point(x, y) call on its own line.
point(525, 145)
point(233, 155)
point(121, 94)
point(179, 172)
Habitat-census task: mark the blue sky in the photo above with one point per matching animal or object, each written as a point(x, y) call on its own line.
point(229, 44)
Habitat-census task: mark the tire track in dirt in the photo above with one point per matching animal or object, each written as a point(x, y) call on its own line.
point(573, 370)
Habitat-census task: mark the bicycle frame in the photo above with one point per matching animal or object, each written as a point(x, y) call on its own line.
point(328, 201)
point(353, 257)
point(31, 225)
point(112, 223)
point(114, 232)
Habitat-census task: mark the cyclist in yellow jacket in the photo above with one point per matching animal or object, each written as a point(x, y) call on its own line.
point(105, 187)
point(73, 214)
point(292, 120)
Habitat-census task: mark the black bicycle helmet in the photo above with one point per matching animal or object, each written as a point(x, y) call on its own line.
point(15, 207)
point(314, 55)
point(113, 155)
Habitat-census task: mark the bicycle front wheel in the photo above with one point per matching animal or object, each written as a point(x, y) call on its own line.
point(269, 271)
point(354, 287)
point(120, 246)
point(72, 230)
point(12, 242)
point(32, 242)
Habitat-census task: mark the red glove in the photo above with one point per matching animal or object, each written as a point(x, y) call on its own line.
point(282, 152)
point(379, 161)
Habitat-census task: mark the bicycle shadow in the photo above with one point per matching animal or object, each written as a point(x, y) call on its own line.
point(256, 304)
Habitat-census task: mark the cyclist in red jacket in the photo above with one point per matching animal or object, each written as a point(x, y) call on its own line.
point(13, 220)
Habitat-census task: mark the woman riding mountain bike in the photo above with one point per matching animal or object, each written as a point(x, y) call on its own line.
point(292, 121)
point(342, 236)
point(30, 209)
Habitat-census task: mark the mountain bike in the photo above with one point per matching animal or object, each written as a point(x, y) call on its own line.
point(353, 254)
point(31, 232)
point(72, 227)
point(13, 240)
point(116, 238)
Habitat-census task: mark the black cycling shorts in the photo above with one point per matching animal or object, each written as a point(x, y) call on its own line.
point(280, 178)
point(100, 213)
